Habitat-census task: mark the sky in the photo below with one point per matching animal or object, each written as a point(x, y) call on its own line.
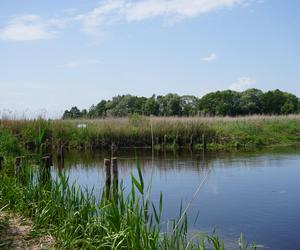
point(60, 53)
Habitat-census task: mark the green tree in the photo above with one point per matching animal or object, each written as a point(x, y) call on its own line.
point(169, 105)
point(278, 102)
point(189, 105)
point(221, 103)
point(151, 106)
point(74, 113)
point(251, 102)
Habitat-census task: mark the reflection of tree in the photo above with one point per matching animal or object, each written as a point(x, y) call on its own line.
point(176, 161)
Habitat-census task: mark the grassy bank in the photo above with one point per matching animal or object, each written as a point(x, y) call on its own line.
point(163, 133)
point(76, 219)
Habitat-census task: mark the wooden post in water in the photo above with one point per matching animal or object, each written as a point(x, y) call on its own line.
point(46, 169)
point(204, 141)
point(47, 162)
point(115, 177)
point(113, 148)
point(191, 143)
point(1, 161)
point(60, 152)
point(165, 140)
point(176, 140)
point(108, 177)
point(60, 156)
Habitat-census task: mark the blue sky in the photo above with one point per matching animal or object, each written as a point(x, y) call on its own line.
point(55, 54)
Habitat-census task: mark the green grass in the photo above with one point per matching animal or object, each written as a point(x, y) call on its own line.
point(168, 133)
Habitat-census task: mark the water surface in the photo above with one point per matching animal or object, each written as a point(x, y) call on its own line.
point(256, 193)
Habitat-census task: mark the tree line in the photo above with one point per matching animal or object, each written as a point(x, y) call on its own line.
point(220, 103)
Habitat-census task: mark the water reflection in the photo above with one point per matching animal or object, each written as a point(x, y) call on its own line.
point(256, 193)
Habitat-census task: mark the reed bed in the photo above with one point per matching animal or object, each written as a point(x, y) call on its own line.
point(219, 133)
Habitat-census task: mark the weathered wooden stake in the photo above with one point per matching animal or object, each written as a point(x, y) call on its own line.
point(113, 148)
point(115, 176)
point(203, 141)
point(60, 152)
point(165, 140)
point(1, 161)
point(46, 167)
point(108, 177)
point(60, 156)
point(47, 162)
point(152, 135)
point(176, 140)
point(191, 142)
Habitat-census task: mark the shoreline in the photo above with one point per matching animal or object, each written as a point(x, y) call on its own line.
point(167, 133)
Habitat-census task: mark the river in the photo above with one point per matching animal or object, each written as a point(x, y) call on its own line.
point(256, 193)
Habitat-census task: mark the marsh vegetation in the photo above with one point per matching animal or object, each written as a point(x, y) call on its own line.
point(161, 133)
point(77, 219)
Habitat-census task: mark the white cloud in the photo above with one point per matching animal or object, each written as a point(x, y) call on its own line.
point(79, 63)
point(108, 12)
point(111, 11)
point(242, 84)
point(210, 57)
point(175, 9)
point(26, 28)
point(146, 9)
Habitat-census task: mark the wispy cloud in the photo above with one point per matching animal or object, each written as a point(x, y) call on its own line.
point(174, 9)
point(242, 84)
point(26, 28)
point(210, 57)
point(109, 12)
point(79, 63)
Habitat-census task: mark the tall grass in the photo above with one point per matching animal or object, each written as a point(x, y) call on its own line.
point(163, 133)
point(79, 220)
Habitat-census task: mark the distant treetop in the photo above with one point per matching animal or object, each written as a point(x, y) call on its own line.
point(220, 103)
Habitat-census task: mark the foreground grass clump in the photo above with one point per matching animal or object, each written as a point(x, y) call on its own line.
point(79, 220)
point(162, 133)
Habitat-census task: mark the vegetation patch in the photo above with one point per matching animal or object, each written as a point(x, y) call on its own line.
point(78, 219)
point(164, 133)
point(220, 103)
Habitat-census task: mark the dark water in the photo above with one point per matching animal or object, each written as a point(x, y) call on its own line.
point(256, 193)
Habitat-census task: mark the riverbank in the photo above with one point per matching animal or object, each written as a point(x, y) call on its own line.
point(76, 219)
point(167, 133)
point(16, 233)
